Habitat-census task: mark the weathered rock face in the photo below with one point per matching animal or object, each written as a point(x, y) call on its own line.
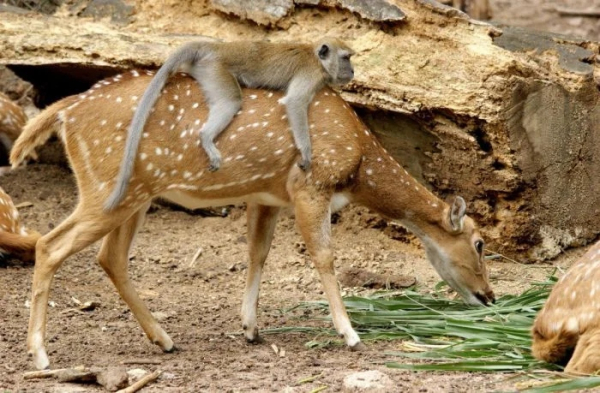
point(469, 108)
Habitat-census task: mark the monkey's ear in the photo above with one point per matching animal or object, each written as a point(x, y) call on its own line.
point(323, 51)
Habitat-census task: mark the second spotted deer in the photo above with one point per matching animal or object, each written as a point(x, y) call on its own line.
point(567, 329)
point(259, 157)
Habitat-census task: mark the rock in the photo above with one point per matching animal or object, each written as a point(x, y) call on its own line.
point(372, 381)
point(113, 379)
point(264, 12)
point(160, 316)
point(136, 374)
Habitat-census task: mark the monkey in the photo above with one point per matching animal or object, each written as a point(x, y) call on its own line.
point(221, 67)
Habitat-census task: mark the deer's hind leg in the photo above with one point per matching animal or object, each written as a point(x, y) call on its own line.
point(261, 225)
point(78, 231)
point(114, 257)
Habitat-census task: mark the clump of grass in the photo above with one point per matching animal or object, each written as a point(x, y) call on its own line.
point(447, 335)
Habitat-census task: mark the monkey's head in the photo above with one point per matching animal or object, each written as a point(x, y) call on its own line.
point(334, 56)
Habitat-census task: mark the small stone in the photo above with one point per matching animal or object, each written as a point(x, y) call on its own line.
point(113, 379)
point(160, 316)
point(372, 381)
point(136, 374)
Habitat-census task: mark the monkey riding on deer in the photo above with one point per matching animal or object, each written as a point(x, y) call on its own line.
point(220, 67)
point(259, 169)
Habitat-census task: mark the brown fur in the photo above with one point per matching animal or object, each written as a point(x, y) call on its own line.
point(14, 238)
point(258, 168)
point(12, 120)
point(567, 329)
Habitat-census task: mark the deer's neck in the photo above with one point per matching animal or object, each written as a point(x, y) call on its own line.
point(384, 185)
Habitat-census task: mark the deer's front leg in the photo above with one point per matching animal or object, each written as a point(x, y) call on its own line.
point(261, 225)
point(313, 216)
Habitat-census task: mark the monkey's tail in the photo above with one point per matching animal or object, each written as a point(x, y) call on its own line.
point(22, 246)
point(182, 56)
point(38, 130)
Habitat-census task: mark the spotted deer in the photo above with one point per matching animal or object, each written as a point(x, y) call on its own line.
point(12, 120)
point(259, 169)
point(567, 329)
point(15, 239)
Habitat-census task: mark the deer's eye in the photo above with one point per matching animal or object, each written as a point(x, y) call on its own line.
point(479, 246)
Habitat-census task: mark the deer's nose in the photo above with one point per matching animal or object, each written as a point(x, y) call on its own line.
point(486, 298)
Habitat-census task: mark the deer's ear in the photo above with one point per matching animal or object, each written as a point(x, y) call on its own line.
point(456, 216)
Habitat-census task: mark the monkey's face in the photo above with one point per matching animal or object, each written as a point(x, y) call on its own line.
point(334, 55)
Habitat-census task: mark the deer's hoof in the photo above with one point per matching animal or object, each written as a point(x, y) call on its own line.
point(359, 346)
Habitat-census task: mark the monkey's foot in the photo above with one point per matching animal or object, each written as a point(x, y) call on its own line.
point(304, 165)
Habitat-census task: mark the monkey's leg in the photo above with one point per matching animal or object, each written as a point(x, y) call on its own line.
point(224, 97)
point(299, 95)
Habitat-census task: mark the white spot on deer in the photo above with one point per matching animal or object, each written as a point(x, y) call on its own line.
point(232, 137)
point(119, 138)
point(253, 96)
point(325, 133)
point(269, 134)
point(149, 166)
point(171, 108)
point(239, 157)
point(143, 156)
point(173, 172)
point(183, 134)
point(119, 99)
point(157, 173)
point(253, 148)
point(270, 94)
point(265, 123)
point(369, 171)
point(283, 117)
point(252, 111)
point(262, 159)
point(327, 110)
point(158, 151)
point(187, 174)
point(371, 183)
point(185, 146)
point(103, 122)
point(572, 325)
point(197, 122)
point(280, 138)
point(228, 159)
point(180, 157)
point(134, 98)
point(317, 103)
point(278, 152)
point(254, 125)
point(181, 111)
point(96, 142)
point(108, 150)
point(145, 135)
point(175, 97)
point(118, 125)
point(135, 73)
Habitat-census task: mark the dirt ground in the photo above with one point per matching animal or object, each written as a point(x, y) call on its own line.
point(199, 305)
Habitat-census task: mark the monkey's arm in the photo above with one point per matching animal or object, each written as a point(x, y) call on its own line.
point(186, 55)
point(300, 93)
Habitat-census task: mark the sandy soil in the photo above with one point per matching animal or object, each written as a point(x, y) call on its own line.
point(199, 305)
